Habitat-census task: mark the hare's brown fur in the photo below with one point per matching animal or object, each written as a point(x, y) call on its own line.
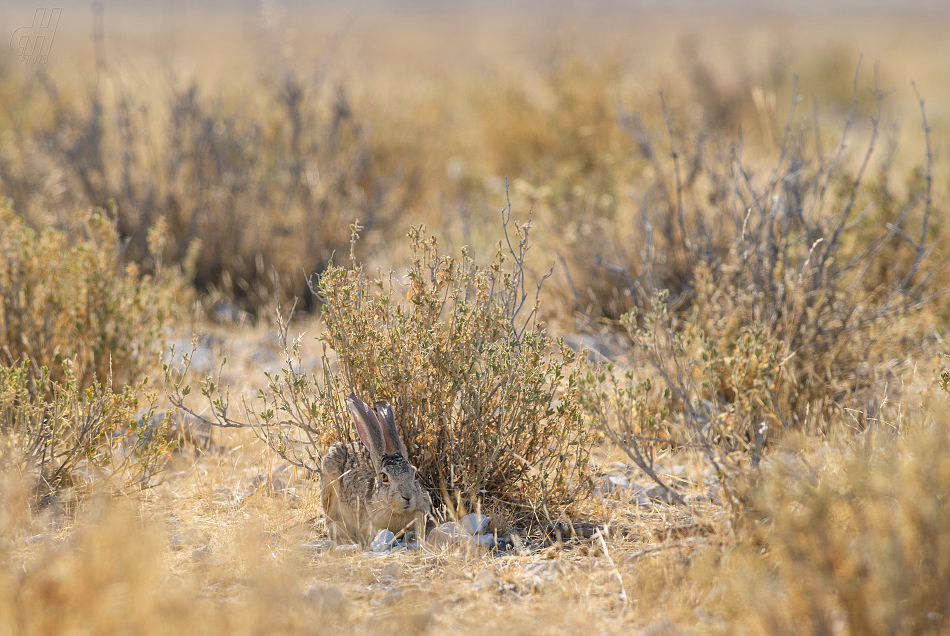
point(369, 486)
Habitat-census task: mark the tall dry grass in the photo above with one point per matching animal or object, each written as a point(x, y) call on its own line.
point(271, 168)
point(797, 267)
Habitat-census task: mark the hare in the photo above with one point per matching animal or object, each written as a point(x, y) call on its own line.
point(368, 487)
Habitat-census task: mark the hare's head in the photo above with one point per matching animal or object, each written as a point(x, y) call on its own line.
point(398, 491)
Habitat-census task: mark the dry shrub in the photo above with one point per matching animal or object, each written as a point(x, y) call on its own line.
point(65, 296)
point(242, 187)
point(857, 536)
point(64, 439)
point(556, 134)
point(715, 392)
point(78, 332)
point(485, 400)
point(801, 283)
point(703, 191)
point(558, 130)
point(600, 171)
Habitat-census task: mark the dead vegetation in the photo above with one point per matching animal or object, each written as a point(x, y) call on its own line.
point(487, 402)
point(758, 445)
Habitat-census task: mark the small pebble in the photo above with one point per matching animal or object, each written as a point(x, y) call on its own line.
point(487, 540)
point(445, 534)
point(319, 546)
point(347, 547)
point(474, 523)
point(619, 480)
point(202, 553)
point(325, 598)
point(383, 542)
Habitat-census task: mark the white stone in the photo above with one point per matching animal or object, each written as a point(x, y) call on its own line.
point(327, 599)
point(474, 523)
point(319, 546)
point(445, 534)
point(347, 547)
point(383, 542)
point(619, 480)
point(486, 540)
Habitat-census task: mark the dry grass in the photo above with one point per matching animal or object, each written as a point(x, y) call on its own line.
point(327, 128)
point(216, 548)
point(225, 544)
point(66, 296)
point(232, 142)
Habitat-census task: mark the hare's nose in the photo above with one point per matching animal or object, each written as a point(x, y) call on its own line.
point(407, 499)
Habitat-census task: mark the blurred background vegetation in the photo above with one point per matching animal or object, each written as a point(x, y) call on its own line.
point(745, 210)
point(259, 133)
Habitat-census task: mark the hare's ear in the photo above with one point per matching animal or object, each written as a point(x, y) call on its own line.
point(387, 422)
point(367, 427)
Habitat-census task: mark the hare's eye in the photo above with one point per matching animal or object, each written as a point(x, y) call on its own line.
point(384, 478)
